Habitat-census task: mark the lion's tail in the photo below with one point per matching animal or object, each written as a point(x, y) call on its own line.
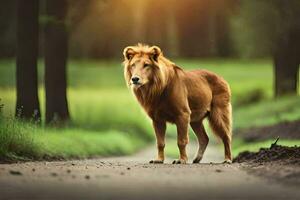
point(220, 121)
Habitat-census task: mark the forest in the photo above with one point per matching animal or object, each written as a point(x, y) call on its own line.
point(62, 90)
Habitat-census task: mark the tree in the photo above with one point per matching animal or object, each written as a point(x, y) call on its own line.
point(273, 27)
point(8, 28)
point(286, 53)
point(56, 53)
point(27, 106)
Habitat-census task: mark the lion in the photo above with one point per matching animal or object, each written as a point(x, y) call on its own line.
point(170, 94)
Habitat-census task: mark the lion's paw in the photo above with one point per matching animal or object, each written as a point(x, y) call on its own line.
point(197, 160)
point(227, 161)
point(179, 161)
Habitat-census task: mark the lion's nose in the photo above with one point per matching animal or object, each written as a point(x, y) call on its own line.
point(135, 79)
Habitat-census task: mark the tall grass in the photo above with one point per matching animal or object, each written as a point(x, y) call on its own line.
point(23, 141)
point(16, 140)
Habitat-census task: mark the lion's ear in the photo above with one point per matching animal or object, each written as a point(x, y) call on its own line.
point(128, 53)
point(155, 53)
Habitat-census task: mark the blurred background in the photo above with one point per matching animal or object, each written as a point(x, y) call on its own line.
point(200, 29)
point(60, 69)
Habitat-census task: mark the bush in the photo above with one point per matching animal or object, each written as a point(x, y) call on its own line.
point(252, 96)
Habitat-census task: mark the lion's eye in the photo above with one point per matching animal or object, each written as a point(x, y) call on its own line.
point(146, 65)
point(133, 65)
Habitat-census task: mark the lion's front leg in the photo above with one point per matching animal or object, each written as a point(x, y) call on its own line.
point(160, 132)
point(182, 124)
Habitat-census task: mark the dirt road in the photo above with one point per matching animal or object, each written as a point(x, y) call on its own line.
point(132, 178)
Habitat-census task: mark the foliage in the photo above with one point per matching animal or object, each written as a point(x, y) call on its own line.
point(1, 107)
point(16, 140)
point(23, 141)
point(267, 112)
point(261, 23)
point(253, 96)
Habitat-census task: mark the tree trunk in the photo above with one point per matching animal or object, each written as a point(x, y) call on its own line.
point(286, 76)
point(56, 53)
point(286, 65)
point(27, 106)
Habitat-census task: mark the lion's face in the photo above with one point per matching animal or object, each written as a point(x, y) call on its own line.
point(140, 65)
point(141, 70)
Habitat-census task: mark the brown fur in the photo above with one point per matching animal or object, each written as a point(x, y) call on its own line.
point(169, 94)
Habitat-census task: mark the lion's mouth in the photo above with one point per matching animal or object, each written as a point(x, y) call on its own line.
point(136, 85)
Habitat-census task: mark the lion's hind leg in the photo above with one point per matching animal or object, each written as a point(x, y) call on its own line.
point(202, 137)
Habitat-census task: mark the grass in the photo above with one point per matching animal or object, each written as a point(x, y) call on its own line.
point(267, 112)
point(23, 141)
point(106, 119)
point(99, 110)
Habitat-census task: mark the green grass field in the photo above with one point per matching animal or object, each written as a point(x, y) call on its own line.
point(107, 120)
